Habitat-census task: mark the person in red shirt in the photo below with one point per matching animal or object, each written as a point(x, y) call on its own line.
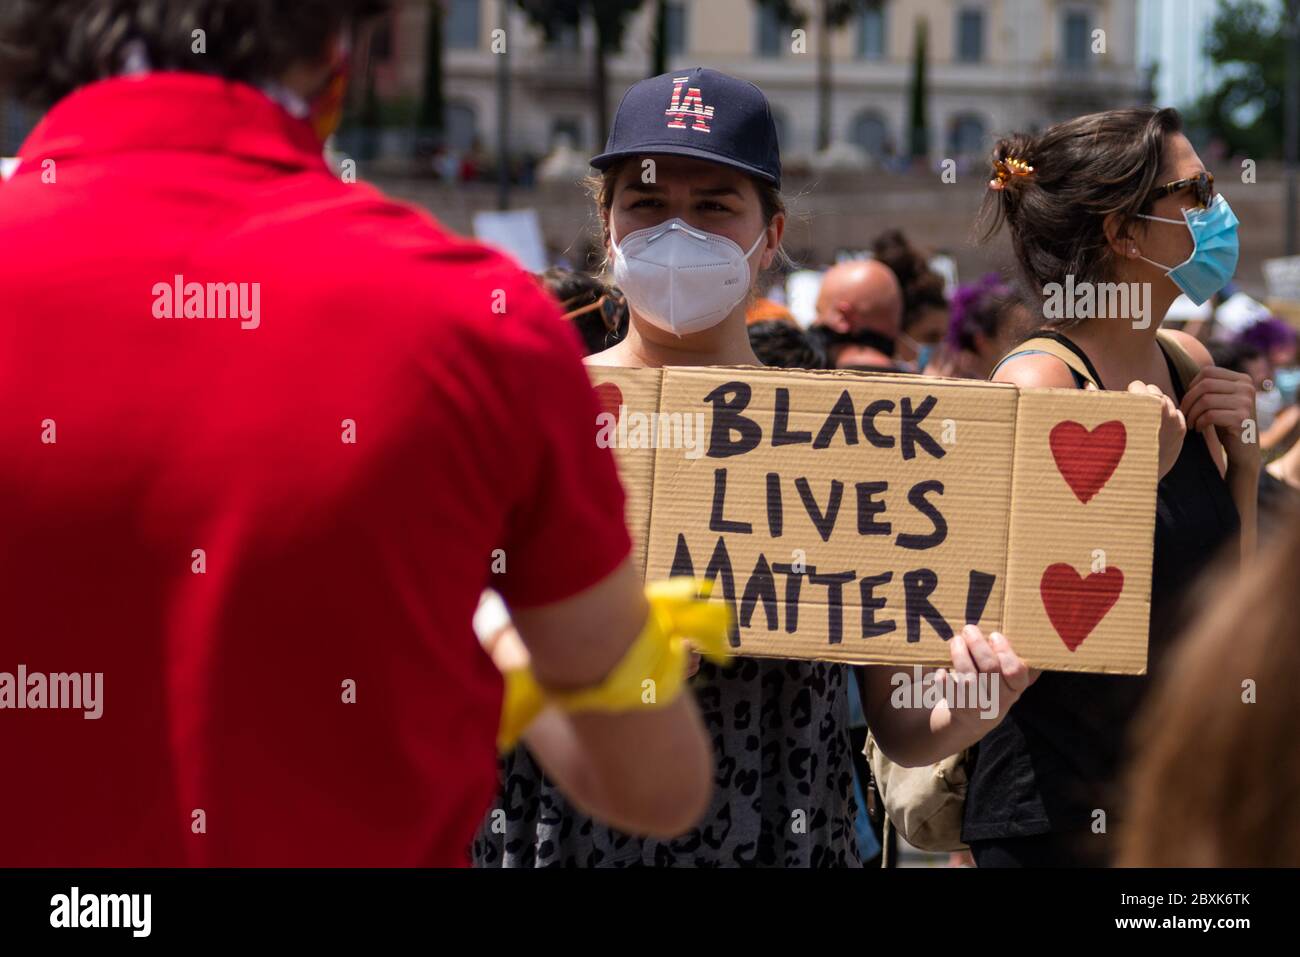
point(265, 437)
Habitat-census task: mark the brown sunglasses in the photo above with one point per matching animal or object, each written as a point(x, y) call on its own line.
point(610, 306)
point(1202, 189)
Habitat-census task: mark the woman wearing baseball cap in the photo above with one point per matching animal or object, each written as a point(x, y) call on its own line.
point(690, 203)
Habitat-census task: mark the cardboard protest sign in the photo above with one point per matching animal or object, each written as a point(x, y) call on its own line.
point(863, 517)
point(516, 232)
point(1282, 277)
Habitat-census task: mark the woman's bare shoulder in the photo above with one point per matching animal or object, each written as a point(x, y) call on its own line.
point(1035, 371)
point(1192, 346)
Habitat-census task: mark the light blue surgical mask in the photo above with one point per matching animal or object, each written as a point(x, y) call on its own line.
point(1287, 382)
point(924, 352)
point(1214, 255)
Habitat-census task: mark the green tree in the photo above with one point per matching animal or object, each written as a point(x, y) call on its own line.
point(432, 100)
point(1247, 42)
point(831, 15)
point(659, 52)
point(918, 139)
point(609, 19)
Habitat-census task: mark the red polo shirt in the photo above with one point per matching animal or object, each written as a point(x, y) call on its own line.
point(269, 531)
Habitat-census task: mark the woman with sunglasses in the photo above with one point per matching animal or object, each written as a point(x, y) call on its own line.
point(692, 213)
point(1116, 197)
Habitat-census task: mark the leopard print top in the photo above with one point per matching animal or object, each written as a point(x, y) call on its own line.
point(783, 777)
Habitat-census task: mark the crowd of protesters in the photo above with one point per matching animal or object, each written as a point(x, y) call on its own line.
point(1035, 779)
point(241, 528)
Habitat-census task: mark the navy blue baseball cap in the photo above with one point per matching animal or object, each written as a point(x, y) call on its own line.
point(699, 113)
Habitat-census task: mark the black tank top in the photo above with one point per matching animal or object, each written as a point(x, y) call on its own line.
point(1055, 758)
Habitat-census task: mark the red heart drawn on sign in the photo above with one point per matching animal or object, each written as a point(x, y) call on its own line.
point(610, 397)
point(1075, 604)
point(1086, 459)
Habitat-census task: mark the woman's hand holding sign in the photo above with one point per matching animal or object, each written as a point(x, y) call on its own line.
point(924, 717)
point(975, 661)
point(1173, 424)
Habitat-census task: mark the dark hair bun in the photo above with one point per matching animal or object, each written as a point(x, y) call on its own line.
point(922, 286)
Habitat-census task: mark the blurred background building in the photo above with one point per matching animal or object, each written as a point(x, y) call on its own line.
point(871, 97)
point(466, 106)
point(989, 65)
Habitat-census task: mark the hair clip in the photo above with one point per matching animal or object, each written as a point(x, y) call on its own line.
point(1004, 169)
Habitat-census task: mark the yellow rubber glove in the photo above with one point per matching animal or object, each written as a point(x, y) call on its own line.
point(680, 616)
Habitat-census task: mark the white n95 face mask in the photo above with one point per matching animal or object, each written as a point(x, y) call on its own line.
point(682, 279)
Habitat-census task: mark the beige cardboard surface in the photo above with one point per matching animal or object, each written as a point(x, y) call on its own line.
point(1079, 572)
point(625, 394)
point(858, 517)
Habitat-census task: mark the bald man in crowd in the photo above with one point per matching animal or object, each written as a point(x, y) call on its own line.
point(859, 316)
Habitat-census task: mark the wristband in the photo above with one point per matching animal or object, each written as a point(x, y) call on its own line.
point(651, 673)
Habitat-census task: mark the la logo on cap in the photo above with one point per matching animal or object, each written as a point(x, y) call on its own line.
point(692, 105)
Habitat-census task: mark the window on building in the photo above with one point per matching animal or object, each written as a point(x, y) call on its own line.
point(675, 28)
point(970, 35)
point(462, 24)
point(966, 135)
point(870, 133)
point(1077, 34)
point(772, 33)
point(871, 33)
